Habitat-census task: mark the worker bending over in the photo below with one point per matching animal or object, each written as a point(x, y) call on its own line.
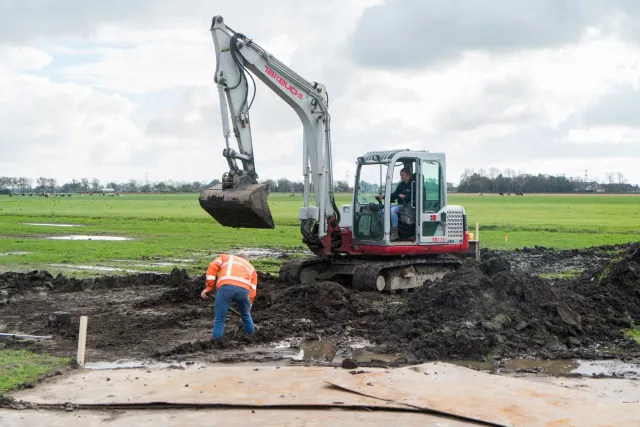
point(235, 279)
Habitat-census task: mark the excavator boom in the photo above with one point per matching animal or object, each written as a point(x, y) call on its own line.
point(240, 200)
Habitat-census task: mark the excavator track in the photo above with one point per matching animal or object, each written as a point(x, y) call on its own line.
point(370, 275)
point(401, 274)
point(291, 271)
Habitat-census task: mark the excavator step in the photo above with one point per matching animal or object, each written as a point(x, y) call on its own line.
point(243, 207)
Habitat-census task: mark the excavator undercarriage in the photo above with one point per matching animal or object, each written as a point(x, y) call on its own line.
point(370, 274)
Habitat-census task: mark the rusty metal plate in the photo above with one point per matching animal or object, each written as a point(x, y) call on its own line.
point(241, 385)
point(226, 418)
point(491, 398)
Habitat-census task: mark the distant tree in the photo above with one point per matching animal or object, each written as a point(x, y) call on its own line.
point(341, 186)
point(5, 182)
point(621, 178)
point(51, 184)
point(95, 184)
point(132, 186)
point(284, 185)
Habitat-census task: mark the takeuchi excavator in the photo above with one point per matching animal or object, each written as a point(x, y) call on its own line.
point(352, 243)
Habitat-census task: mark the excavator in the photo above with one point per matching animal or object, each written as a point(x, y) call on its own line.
point(352, 244)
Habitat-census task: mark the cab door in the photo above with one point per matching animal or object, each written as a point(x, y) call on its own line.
point(431, 183)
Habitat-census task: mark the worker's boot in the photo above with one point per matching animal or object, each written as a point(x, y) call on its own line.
point(394, 234)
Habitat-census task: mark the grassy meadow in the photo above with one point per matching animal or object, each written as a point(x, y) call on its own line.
point(172, 229)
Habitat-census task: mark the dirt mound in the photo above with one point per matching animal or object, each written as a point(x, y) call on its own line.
point(482, 310)
point(470, 314)
point(609, 297)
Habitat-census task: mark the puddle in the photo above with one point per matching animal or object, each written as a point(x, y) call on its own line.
point(160, 264)
point(50, 225)
point(587, 368)
point(97, 268)
point(147, 364)
point(264, 252)
point(14, 253)
point(608, 368)
point(328, 351)
point(364, 352)
point(82, 237)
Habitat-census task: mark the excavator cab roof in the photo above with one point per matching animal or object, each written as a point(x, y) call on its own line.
point(384, 156)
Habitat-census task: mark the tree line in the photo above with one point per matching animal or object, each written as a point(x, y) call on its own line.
point(508, 180)
point(492, 180)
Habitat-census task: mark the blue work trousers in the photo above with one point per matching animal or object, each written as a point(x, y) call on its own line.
point(395, 210)
point(225, 295)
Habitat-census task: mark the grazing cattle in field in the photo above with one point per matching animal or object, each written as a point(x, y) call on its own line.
point(502, 194)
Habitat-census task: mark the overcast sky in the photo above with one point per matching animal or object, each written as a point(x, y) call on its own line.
point(120, 89)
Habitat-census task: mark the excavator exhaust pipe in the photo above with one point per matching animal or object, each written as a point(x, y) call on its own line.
point(241, 207)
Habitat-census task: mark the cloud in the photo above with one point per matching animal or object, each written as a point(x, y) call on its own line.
point(122, 89)
point(418, 33)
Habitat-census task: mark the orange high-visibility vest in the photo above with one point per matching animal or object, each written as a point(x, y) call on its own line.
point(232, 270)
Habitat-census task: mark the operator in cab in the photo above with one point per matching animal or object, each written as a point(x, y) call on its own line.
point(235, 280)
point(402, 195)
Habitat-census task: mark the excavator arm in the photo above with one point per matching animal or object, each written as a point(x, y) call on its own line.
point(240, 200)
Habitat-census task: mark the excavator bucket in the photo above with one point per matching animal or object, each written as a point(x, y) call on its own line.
point(243, 207)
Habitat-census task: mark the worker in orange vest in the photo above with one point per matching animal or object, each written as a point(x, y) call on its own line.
point(234, 279)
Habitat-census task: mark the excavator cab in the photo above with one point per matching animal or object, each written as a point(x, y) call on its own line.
point(423, 219)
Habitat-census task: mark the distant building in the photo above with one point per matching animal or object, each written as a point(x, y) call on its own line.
point(107, 190)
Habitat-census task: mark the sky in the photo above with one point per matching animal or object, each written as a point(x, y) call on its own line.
point(124, 89)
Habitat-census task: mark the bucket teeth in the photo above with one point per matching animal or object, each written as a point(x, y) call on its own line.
point(243, 207)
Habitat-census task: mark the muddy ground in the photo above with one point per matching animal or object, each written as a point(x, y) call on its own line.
point(498, 308)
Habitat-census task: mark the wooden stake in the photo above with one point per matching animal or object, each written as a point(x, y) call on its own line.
point(477, 241)
point(82, 339)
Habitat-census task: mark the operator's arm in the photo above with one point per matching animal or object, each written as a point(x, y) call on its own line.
point(394, 195)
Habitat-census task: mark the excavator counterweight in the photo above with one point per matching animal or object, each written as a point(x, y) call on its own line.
point(243, 207)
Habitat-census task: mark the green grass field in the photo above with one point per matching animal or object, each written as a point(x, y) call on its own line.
point(18, 367)
point(170, 227)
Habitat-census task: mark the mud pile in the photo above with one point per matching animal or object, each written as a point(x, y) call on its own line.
point(482, 310)
point(488, 309)
point(608, 298)
point(485, 309)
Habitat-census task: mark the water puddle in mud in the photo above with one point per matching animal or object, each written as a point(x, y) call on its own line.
point(147, 364)
point(96, 268)
point(50, 225)
point(589, 368)
point(83, 237)
point(14, 253)
point(364, 352)
point(265, 252)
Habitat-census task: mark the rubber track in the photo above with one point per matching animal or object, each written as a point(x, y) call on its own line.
point(365, 275)
point(290, 270)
